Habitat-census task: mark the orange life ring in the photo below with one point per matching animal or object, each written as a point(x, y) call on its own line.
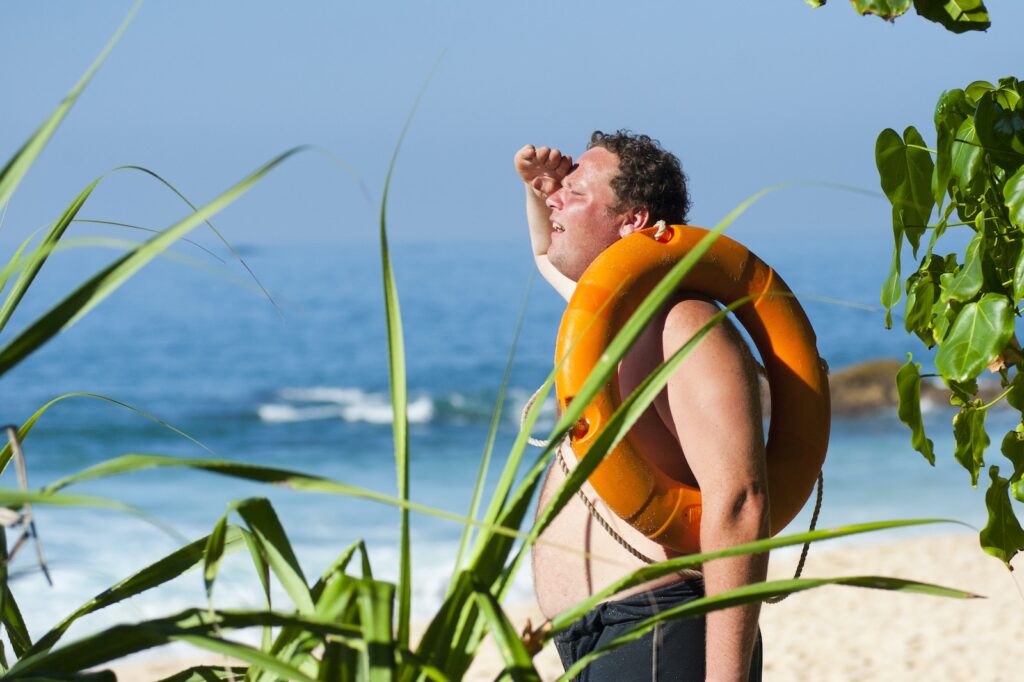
point(657, 505)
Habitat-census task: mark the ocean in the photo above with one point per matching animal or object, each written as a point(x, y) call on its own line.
point(304, 385)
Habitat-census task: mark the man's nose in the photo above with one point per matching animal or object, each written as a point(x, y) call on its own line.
point(554, 199)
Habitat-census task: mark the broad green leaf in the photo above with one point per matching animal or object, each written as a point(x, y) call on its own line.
point(976, 90)
point(966, 282)
point(943, 316)
point(962, 393)
point(980, 332)
point(886, 9)
point(1000, 130)
point(920, 300)
point(815, 4)
point(755, 593)
point(971, 440)
point(951, 111)
point(158, 573)
point(908, 385)
point(1013, 449)
point(891, 289)
point(1013, 194)
point(1002, 536)
point(957, 16)
point(13, 172)
point(1016, 395)
point(518, 662)
point(905, 171)
point(966, 155)
point(1018, 278)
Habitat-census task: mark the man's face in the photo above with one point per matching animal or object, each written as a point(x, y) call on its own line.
point(584, 224)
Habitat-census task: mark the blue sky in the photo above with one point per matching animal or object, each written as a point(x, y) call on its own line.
point(748, 95)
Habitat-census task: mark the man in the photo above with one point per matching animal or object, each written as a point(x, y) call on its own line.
point(704, 430)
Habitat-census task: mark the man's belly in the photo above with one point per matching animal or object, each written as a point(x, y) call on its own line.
point(577, 557)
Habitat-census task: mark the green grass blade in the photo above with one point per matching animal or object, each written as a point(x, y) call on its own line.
point(16, 168)
point(39, 256)
point(5, 275)
point(266, 528)
point(213, 553)
point(481, 476)
point(518, 662)
point(207, 673)
point(26, 428)
point(157, 573)
point(662, 568)
point(105, 282)
point(151, 230)
point(234, 252)
point(376, 600)
point(196, 626)
point(14, 624)
point(756, 593)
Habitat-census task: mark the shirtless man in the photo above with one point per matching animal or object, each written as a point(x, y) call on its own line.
point(704, 429)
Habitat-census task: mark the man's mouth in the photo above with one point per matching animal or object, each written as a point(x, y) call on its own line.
point(557, 227)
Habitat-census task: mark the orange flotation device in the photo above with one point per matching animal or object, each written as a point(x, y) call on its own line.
point(657, 505)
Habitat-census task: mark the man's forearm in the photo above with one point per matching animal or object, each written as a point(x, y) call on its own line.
point(538, 218)
point(731, 632)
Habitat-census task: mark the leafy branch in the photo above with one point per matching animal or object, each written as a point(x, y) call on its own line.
point(965, 303)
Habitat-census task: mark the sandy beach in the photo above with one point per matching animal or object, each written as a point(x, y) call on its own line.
point(845, 633)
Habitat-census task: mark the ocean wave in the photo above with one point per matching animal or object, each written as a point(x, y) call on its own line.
point(312, 403)
point(347, 404)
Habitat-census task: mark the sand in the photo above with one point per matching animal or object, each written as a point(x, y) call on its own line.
point(846, 633)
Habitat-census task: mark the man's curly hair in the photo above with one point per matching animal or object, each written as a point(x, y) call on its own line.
point(649, 177)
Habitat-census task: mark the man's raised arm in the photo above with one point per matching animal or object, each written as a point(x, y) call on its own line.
point(542, 170)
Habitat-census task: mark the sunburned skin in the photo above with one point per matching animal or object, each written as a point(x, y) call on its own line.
point(563, 578)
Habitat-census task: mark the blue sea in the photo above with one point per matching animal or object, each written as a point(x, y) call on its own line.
point(303, 384)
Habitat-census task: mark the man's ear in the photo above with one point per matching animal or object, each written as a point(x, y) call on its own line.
point(634, 219)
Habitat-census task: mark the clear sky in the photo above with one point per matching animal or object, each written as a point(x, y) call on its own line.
point(748, 94)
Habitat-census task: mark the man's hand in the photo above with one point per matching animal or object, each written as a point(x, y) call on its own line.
point(542, 169)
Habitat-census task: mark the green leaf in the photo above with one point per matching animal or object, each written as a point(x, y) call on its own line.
point(1013, 194)
point(212, 555)
point(920, 299)
point(1016, 395)
point(108, 280)
point(966, 282)
point(886, 9)
point(957, 16)
point(976, 90)
point(748, 594)
point(263, 523)
point(1002, 536)
point(208, 673)
point(158, 573)
point(951, 110)
point(971, 440)
point(908, 385)
point(980, 332)
point(891, 289)
point(13, 172)
point(815, 4)
point(1013, 449)
point(518, 662)
point(1000, 129)
point(905, 172)
point(962, 393)
point(966, 155)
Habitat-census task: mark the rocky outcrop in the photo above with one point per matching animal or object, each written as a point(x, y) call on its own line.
point(870, 387)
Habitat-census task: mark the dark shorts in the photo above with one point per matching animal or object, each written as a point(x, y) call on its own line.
point(673, 650)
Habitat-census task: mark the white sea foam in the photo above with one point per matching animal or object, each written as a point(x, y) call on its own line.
point(348, 404)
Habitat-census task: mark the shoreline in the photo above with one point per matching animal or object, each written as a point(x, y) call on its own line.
point(835, 632)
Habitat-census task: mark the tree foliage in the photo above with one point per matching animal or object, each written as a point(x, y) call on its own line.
point(966, 303)
point(957, 16)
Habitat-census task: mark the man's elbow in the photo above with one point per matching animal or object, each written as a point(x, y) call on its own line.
point(743, 512)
